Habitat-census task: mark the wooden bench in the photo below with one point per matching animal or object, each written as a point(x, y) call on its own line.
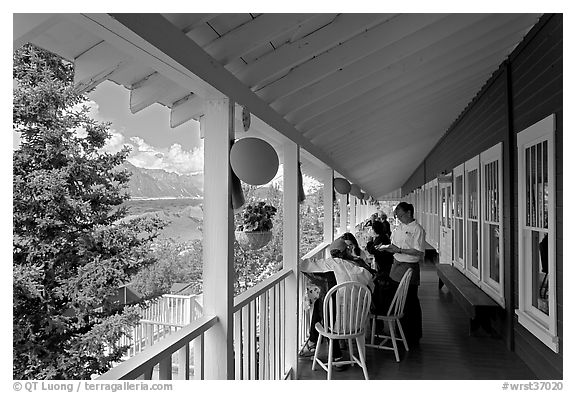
point(480, 307)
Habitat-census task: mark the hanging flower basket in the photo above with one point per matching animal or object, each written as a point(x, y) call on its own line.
point(253, 240)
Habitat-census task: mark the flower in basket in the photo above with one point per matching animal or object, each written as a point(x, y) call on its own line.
point(257, 217)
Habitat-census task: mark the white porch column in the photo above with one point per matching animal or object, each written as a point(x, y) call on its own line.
point(218, 247)
point(329, 206)
point(291, 246)
point(343, 213)
point(352, 214)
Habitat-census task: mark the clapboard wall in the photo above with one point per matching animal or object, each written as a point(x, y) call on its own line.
point(536, 91)
point(526, 88)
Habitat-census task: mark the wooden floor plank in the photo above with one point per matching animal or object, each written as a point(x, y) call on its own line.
point(446, 351)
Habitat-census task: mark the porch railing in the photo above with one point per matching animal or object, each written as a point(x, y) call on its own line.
point(259, 330)
point(159, 319)
point(259, 340)
point(259, 336)
point(174, 349)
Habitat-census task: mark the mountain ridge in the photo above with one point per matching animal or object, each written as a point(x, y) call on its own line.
point(158, 184)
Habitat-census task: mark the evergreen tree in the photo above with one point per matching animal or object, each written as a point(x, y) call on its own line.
point(72, 247)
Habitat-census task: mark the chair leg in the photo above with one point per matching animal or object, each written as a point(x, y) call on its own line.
point(393, 336)
point(350, 349)
point(330, 351)
point(316, 351)
point(402, 334)
point(373, 319)
point(362, 355)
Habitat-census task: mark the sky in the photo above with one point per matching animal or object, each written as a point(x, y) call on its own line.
point(154, 144)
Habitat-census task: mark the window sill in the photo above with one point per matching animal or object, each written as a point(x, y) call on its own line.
point(538, 330)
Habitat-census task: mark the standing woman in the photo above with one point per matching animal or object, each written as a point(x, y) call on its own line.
point(381, 236)
point(408, 245)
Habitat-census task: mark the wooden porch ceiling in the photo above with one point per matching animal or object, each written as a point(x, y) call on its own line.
point(366, 94)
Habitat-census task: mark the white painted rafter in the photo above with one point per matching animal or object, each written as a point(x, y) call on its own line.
point(398, 96)
point(287, 56)
point(109, 28)
point(185, 109)
point(252, 34)
point(402, 56)
point(149, 90)
point(348, 52)
point(473, 46)
point(96, 65)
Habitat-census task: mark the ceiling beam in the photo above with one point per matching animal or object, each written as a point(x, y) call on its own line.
point(165, 38)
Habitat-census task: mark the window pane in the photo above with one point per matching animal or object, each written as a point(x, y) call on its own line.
point(444, 207)
point(473, 243)
point(460, 238)
point(533, 186)
point(539, 246)
point(449, 208)
point(539, 188)
point(545, 173)
point(527, 180)
point(459, 196)
point(473, 194)
point(493, 247)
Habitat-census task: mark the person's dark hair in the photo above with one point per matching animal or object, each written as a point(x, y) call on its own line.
point(382, 228)
point(407, 207)
point(349, 236)
point(378, 227)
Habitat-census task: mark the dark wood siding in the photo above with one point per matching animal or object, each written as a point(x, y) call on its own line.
point(482, 126)
point(525, 89)
point(415, 180)
point(536, 80)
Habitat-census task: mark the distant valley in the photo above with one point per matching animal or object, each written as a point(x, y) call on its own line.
point(174, 198)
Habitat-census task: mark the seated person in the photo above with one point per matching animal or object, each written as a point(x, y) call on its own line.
point(358, 255)
point(343, 269)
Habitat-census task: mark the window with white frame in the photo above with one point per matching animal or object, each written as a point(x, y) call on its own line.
point(458, 174)
point(536, 226)
point(492, 268)
point(472, 217)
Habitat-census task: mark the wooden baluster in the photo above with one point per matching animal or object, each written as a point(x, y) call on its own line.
point(253, 340)
point(165, 369)
point(273, 337)
point(184, 362)
point(263, 350)
point(246, 341)
point(237, 345)
point(198, 344)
